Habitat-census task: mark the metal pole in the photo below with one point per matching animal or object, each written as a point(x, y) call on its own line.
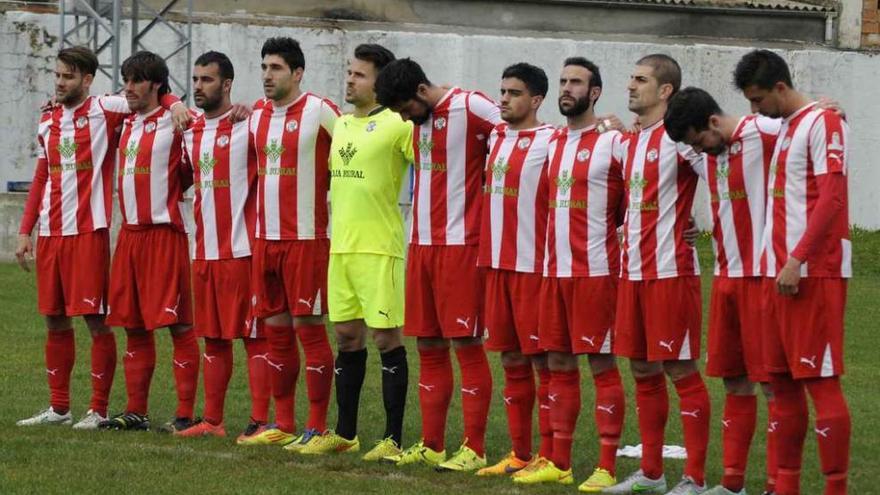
point(189, 36)
point(114, 49)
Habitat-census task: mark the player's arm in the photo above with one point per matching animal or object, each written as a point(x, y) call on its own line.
point(697, 162)
point(828, 154)
point(25, 248)
point(327, 120)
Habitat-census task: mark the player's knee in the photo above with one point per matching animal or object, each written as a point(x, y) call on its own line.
point(466, 341)
point(513, 358)
point(643, 369)
point(431, 343)
point(600, 363)
point(59, 322)
point(96, 324)
point(676, 370)
point(539, 361)
point(562, 361)
point(739, 385)
point(387, 340)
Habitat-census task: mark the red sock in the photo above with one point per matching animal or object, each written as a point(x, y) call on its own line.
point(185, 364)
point(772, 447)
point(740, 416)
point(833, 426)
point(792, 416)
point(545, 449)
point(284, 369)
point(435, 393)
point(258, 378)
point(476, 394)
point(60, 355)
point(138, 363)
point(565, 405)
point(217, 369)
point(103, 369)
point(695, 406)
point(519, 400)
point(652, 405)
point(319, 373)
point(610, 410)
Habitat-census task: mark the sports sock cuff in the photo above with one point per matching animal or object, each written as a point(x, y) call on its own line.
point(690, 382)
point(740, 404)
point(393, 356)
point(353, 357)
point(213, 346)
point(60, 335)
point(649, 383)
point(607, 378)
point(518, 372)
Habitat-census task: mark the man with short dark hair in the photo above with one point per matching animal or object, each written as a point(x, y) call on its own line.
point(658, 321)
point(512, 237)
point(737, 157)
point(581, 266)
point(70, 200)
point(291, 132)
point(807, 259)
point(221, 158)
point(444, 287)
point(150, 288)
point(369, 156)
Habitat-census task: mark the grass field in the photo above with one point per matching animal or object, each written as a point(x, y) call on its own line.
point(60, 460)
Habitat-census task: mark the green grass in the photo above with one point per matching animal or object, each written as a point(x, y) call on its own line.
point(59, 460)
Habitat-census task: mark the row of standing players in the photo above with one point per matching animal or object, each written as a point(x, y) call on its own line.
point(547, 232)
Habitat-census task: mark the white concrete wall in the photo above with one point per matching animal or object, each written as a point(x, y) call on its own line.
point(471, 61)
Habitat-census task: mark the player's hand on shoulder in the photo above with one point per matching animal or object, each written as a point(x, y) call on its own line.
point(180, 116)
point(828, 103)
point(691, 233)
point(239, 112)
point(609, 122)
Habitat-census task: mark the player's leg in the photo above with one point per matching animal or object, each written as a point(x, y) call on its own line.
point(395, 382)
point(609, 413)
point(259, 384)
point(103, 370)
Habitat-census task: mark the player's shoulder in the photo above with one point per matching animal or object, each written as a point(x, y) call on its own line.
point(323, 101)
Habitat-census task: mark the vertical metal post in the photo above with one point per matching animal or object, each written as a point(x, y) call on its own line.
point(135, 13)
point(114, 48)
point(189, 61)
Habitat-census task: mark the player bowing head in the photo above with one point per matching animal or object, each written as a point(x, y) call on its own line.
point(523, 89)
point(403, 87)
point(283, 65)
point(694, 118)
point(765, 81)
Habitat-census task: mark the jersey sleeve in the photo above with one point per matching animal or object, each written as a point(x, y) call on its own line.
point(329, 113)
point(405, 143)
point(831, 202)
point(696, 161)
point(115, 109)
point(484, 111)
point(32, 206)
point(828, 141)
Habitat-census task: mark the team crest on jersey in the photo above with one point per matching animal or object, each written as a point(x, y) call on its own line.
point(425, 145)
point(440, 123)
point(81, 122)
point(206, 163)
point(292, 126)
point(735, 148)
point(786, 143)
point(371, 126)
point(150, 127)
point(652, 155)
point(67, 148)
point(273, 150)
point(347, 153)
point(500, 167)
point(637, 183)
point(131, 151)
point(564, 182)
point(223, 141)
point(523, 143)
point(722, 171)
point(583, 155)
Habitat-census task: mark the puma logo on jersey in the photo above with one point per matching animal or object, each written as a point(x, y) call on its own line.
point(174, 309)
point(470, 391)
point(508, 400)
point(93, 302)
point(428, 388)
point(261, 356)
point(608, 409)
point(667, 345)
point(589, 340)
point(180, 364)
point(307, 302)
point(52, 372)
point(464, 322)
point(317, 369)
point(811, 361)
point(278, 367)
point(552, 397)
point(823, 432)
point(386, 314)
point(392, 370)
point(97, 376)
point(694, 414)
point(210, 359)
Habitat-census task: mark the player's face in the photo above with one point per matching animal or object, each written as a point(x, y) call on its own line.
point(709, 141)
point(415, 110)
point(764, 101)
point(139, 94)
point(278, 80)
point(71, 85)
point(209, 89)
point(644, 90)
point(517, 104)
point(575, 94)
point(359, 82)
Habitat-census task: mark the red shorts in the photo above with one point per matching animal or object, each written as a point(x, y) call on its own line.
point(72, 274)
point(222, 294)
point(149, 279)
point(290, 276)
point(509, 309)
point(736, 327)
point(659, 320)
point(806, 334)
point(577, 314)
point(444, 292)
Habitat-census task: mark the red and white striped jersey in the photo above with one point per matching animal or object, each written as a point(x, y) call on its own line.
point(586, 190)
point(737, 180)
point(811, 142)
point(224, 169)
point(150, 179)
point(514, 224)
point(450, 153)
point(72, 187)
point(292, 145)
point(660, 183)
